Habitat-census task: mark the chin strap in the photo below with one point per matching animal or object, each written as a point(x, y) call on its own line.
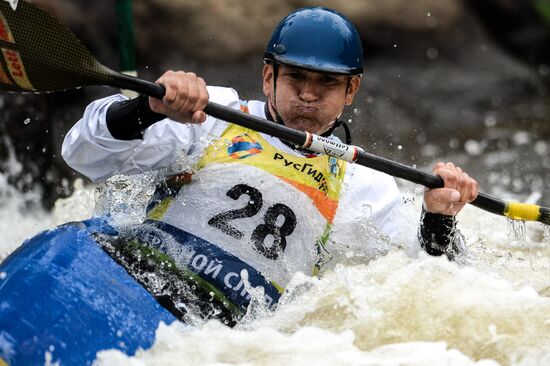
point(273, 102)
point(337, 124)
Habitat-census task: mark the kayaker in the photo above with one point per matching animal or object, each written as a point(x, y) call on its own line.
point(239, 209)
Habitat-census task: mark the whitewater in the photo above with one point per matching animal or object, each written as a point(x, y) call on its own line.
point(490, 307)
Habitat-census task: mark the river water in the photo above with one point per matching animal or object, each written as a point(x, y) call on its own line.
point(491, 307)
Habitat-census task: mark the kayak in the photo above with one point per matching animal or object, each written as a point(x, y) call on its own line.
point(87, 286)
point(63, 299)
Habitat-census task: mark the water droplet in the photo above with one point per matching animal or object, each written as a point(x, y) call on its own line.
point(490, 121)
point(421, 138)
point(518, 229)
point(3, 275)
point(521, 138)
point(473, 147)
point(432, 53)
point(541, 148)
point(399, 147)
point(27, 121)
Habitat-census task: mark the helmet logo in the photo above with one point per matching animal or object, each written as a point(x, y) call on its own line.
point(279, 49)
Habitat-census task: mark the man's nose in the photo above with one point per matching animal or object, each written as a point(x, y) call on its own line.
point(309, 91)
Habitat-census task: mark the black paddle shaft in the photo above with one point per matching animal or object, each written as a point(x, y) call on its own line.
point(299, 138)
point(39, 54)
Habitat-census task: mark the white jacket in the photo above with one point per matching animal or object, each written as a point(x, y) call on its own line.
point(366, 202)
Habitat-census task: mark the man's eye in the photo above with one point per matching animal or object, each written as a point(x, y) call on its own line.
point(295, 75)
point(330, 80)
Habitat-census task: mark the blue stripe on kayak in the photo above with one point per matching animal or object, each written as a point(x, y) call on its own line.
point(215, 265)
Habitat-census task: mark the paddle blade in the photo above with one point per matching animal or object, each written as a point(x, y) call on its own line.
point(39, 54)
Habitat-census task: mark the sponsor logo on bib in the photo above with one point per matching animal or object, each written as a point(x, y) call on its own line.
point(243, 146)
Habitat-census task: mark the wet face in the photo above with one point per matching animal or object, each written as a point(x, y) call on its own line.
point(306, 100)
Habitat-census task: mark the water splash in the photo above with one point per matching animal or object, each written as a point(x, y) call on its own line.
point(373, 314)
point(518, 229)
point(491, 309)
point(124, 198)
point(396, 309)
point(21, 216)
point(267, 346)
point(77, 207)
point(13, 4)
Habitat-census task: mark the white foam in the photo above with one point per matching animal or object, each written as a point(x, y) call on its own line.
point(493, 307)
point(395, 310)
point(215, 344)
point(21, 216)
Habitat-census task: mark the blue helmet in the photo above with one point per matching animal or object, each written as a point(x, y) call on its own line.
point(317, 39)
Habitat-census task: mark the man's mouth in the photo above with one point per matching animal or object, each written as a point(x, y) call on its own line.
point(306, 109)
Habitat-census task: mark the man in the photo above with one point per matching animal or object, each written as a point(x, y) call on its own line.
point(240, 211)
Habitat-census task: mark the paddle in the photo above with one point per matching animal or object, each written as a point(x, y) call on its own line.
point(38, 54)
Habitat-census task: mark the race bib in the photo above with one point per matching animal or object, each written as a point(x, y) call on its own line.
point(268, 208)
point(255, 216)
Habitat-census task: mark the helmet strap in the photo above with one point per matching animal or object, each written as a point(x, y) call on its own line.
point(348, 84)
point(273, 103)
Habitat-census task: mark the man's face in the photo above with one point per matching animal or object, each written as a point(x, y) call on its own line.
point(306, 100)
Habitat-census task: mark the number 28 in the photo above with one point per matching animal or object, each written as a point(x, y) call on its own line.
point(260, 233)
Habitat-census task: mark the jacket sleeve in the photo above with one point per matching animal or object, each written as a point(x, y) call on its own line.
point(90, 149)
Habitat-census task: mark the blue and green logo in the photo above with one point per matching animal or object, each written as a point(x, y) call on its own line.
point(243, 146)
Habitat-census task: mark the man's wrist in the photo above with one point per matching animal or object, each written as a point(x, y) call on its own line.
point(437, 232)
point(128, 120)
